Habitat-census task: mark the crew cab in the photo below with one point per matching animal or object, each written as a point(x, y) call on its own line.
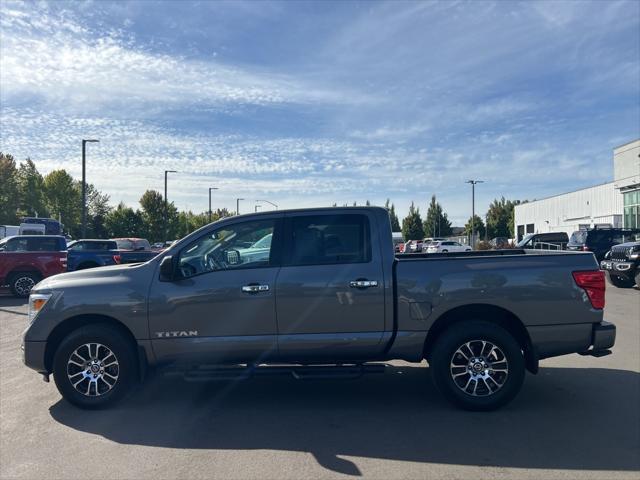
point(88, 253)
point(327, 297)
point(26, 259)
point(622, 265)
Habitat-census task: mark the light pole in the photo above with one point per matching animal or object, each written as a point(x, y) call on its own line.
point(166, 204)
point(473, 209)
point(211, 188)
point(84, 185)
point(270, 203)
point(238, 205)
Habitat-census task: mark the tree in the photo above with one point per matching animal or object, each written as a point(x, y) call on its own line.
point(478, 227)
point(437, 223)
point(97, 210)
point(123, 221)
point(412, 225)
point(63, 199)
point(31, 192)
point(395, 223)
point(500, 218)
point(9, 200)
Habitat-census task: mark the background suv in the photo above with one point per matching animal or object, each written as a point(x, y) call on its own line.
point(600, 240)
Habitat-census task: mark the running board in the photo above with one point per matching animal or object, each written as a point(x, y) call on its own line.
point(206, 373)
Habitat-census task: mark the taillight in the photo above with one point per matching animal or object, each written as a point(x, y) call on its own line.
point(592, 282)
point(117, 258)
point(63, 261)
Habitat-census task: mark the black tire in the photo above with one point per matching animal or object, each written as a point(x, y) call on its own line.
point(505, 385)
point(67, 373)
point(445, 251)
point(620, 282)
point(21, 283)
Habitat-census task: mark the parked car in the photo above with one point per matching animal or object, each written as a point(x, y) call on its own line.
point(9, 230)
point(428, 241)
point(31, 229)
point(413, 246)
point(622, 265)
point(26, 259)
point(600, 240)
point(134, 250)
point(51, 225)
point(344, 300)
point(544, 241)
point(89, 253)
point(446, 246)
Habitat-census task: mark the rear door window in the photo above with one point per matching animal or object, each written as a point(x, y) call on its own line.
point(43, 244)
point(329, 239)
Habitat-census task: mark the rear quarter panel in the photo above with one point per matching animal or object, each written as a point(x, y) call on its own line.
point(537, 287)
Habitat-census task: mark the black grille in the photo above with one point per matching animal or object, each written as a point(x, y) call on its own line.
point(619, 253)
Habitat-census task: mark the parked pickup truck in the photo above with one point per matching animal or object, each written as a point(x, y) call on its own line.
point(89, 253)
point(26, 259)
point(134, 250)
point(327, 297)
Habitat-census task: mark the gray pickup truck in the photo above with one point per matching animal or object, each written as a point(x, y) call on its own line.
point(315, 293)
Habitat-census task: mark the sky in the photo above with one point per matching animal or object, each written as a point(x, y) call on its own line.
point(311, 103)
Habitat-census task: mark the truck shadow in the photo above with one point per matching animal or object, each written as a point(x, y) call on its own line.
point(564, 418)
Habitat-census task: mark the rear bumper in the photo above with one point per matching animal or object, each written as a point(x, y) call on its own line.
point(604, 336)
point(555, 340)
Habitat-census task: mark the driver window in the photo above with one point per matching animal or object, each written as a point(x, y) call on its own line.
point(243, 245)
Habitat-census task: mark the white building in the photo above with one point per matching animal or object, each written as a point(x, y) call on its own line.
point(613, 204)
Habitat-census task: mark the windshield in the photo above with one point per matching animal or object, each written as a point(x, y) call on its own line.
point(124, 244)
point(264, 242)
point(525, 240)
point(578, 238)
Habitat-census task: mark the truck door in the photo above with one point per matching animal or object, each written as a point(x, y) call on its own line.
point(330, 289)
point(222, 306)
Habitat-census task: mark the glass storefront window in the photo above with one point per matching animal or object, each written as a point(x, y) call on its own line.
point(632, 209)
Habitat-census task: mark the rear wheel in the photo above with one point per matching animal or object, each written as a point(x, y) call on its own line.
point(621, 282)
point(477, 365)
point(21, 283)
point(94, 366)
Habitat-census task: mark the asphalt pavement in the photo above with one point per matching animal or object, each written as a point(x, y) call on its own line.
point(578, 418)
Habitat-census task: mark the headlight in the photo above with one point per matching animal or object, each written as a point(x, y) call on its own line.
point(37, 302)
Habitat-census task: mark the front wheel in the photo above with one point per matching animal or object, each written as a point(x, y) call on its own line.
point(477, 365)
point(21, 283)
point(94, 366)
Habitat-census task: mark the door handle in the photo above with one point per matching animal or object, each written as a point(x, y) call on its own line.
point(255, 288)
point(361, 283)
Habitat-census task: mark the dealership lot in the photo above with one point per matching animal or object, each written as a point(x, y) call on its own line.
point(578, 418)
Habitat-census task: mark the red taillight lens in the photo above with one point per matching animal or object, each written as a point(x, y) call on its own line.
point(592, 281)
point(117, 258)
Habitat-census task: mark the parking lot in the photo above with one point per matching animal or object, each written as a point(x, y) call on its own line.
point(578, 418)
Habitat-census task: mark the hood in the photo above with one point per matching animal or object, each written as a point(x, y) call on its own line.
point(626, 245)
point(94, 276)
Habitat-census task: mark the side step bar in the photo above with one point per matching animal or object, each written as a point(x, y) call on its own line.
point(206, 373)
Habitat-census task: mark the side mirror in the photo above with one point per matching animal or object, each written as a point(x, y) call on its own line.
point(167, 269)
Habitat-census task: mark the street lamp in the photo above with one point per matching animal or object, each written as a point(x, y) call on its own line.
point(270, 203)
point(211, 188)
point(166, 204)
point(238, 205)
point(84, 185)
point(473, 208)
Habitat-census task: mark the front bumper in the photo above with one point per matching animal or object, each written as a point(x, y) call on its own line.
point(33, 356)
point(620, 269)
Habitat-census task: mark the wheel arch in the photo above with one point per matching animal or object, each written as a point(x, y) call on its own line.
point(489, 313)
point(67, 326)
